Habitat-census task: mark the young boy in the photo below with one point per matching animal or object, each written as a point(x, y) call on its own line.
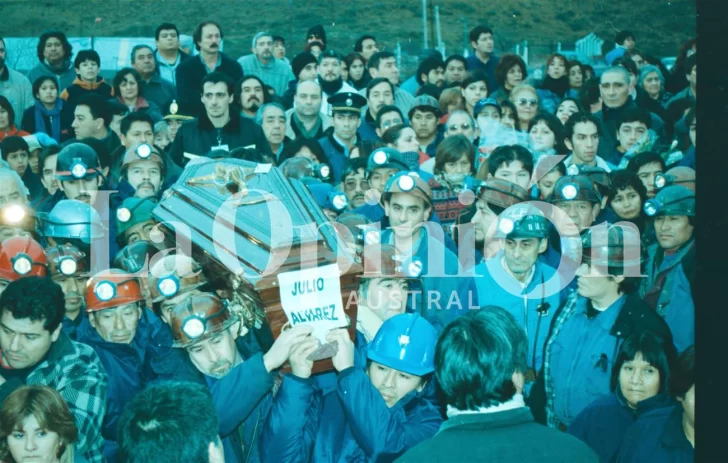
point(87, 65)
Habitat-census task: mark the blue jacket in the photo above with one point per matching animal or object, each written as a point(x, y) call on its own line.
point(336, 154)
point(488, 68)
point(602, 424)
point(352, 423)
point(410, 85)
point(496, 286)
point(657, 437)
point(125, 365)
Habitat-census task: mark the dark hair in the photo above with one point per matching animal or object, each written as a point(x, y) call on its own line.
point(628, 64)
point(47, 152)
point(574, 63)
point(12, 144)
point(374, 60)
point(452, 149)
point(291, 149)
point(238, 88)
point(683, 373)
point(376, 81)
point(507, 154)
point(279, 38)
point(428, 65)
point(392, 134)
point(315, 43)
point(580, 118)
point(683, 55)
point(197, 34)
point(569, 98)
point(247, 154)
point(555, 125)
point(351, 57)
point(137, 48)
point(40, 81)
point(505, 64)
point(430, 89)
point(635, 114)
point(49, 409)
point(5, 104)
point(460, 58)
point(644, 158)
point(100, 148)
point(477, 31)
point(475, 76)
point(655, 350)
point(359, 44)
point(86, 55)
point(476, 356)
point(623, 179)
point(589, 93)
point(353, 165)
point(117, 109)
point(67, 47)
point(622, 36)
point(165, 27)
point(219, 77)
point(121, 75)
point(128, 120)
point(691, 62)
point(36, 298)
point(97, 105)
point(387, 109)
point(169, 421)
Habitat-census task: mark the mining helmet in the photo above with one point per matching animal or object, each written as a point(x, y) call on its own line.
point(66, 261)
point(574, 188)
point(133, 211)
point(112, 288)
point(385, 158)
point(73, 219)
point(174, 274)
point(595, 174)
point(672, 200)
point(327, 197)
point(680, 175)
point(199, 317)
point(133, 257)
point(406, 343)
point(19, 216)
point(407, 182)
point(22, 256)
point(143, 152)
point(300, 167)
point(77, 161)
point(360, 226)
point(522, 221)
point(501, 193)
point(620, 252)
point(383, 261)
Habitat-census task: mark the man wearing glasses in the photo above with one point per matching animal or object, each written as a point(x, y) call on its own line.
point(388, 116)
point(460, 122)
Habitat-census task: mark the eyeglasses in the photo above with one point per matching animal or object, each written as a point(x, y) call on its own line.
point(524, 102)
point(392, 123)
point(454, 128)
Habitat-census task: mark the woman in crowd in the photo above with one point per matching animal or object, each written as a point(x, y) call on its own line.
point(640, 379)
point(129, 91)
point(546, 136)
point(575, 71)
point(474, 88)
point(566, 108)
point(626, 197)
point(451, 99)
point(48, 115)
point(7, 116)
point(510, 114)
point(402, 137)
point(555, 86)
point(306, 148)
point(509, 73)
point(652, 81)
point(358, 75)
point(36, 425)
point(527, 105)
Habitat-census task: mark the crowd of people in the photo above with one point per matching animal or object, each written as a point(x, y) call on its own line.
point(527, 251)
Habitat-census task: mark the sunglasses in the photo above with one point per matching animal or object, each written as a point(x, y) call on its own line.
point(453, 128)
point(524, 102)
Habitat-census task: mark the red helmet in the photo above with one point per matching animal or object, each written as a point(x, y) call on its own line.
point(111, 288)
point(22, 256)
point(67, 260)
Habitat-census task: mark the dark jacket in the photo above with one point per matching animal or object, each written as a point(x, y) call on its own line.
point(198, 136)
point(28, 123)
point(351, 423)
point(510, 435)
point(609, 117)
point(159, 91)
point(657, 437)
point(602, 424)
point(191, 72)
point(79, 88)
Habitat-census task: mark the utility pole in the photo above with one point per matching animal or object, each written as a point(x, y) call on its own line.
point(424, 25)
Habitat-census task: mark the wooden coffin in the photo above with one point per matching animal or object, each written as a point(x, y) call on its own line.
point(242, 236)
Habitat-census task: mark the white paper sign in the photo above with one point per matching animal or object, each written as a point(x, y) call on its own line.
point(313, 297)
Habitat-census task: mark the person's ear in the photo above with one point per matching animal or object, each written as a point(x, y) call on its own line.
point(543, 245)
point(56, 332)
point(519, 381)
point(568, 144)
point(215, 453)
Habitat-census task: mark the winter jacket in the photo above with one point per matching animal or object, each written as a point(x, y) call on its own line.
point(352, 423)
point(277, 73)
point(337, 154)
point(609, 117)
point(475, 64)
point(580, 352)
point(602, 424)
point(445, 202)
point(293, 132)
point(143, 106)
point(80, 87)
point(199, 137)
point(64, 74)
point(12, 131)
point(159, 91)
point(28, 123)
point(75, 371)
point(657, 437)
point(191, 72)
point(17, 89)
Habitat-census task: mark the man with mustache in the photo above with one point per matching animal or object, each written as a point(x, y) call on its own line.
point(54, 56)
point(143, 171)
point(68, 266)
point(240, 379)
point(79, 173)
point(271, 117)
point(354, 183)
point(329, 77)
point(273, 71)
point(120, 329)
point(669, 285)
point(252, 95)
point(134, 221)
point(219, 127)
point(190, 74)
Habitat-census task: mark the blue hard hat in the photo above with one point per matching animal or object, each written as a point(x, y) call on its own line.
point(73, 219)
point(406, 343)
point(327, 197)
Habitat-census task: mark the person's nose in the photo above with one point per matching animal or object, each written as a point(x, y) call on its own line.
point(30, 444)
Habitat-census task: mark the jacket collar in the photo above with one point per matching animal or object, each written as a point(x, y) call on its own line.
point(233, 125)
point(88, 85)
point(504, 419)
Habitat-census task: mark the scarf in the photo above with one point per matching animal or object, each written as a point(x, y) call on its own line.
point(516, 402)
point(558, 86)
point(54, 115)
point(330, 88)
point(300, 129)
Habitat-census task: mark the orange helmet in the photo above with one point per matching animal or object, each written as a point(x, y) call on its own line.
point(111, 288)
point(174, 274)
point(22, 256)
point(67, 260)
point(198, 318)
